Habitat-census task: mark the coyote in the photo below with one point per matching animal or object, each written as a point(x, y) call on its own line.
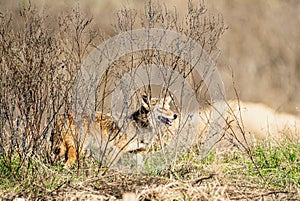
point(103, 132)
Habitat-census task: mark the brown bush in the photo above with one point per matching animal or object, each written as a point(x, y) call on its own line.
point(41, 58)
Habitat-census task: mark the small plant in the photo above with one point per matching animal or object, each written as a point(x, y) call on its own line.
point(279, 165)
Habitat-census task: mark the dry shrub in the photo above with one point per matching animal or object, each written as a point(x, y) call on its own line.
point(38, 70)
point(41, 58)
point(196, 24)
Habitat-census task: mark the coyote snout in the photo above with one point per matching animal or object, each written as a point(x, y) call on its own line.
point(167, 120)
point(164, 116)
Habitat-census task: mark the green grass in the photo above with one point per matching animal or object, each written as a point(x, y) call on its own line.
point(272, 166)
point(279, 165)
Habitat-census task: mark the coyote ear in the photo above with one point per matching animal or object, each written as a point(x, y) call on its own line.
point(168, 99)
point(145, 102)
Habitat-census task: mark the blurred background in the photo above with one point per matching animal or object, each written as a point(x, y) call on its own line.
point(259, 51)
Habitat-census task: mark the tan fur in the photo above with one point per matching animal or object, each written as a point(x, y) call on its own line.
point(98, 134)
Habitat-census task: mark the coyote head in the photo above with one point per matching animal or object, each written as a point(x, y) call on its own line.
point(159, 111)
point(153, 117)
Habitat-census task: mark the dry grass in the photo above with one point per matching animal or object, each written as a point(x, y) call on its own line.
point(225, 176)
